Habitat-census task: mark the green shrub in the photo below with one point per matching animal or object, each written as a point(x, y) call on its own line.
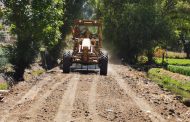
point(179, 87)
point(170, 61)
point(142, 59)
point(3, 57)
point(185, 70)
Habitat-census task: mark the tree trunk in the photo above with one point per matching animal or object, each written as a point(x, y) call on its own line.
point(19, 74)
point(163, 56)
point(188, 55)
point(150, 57)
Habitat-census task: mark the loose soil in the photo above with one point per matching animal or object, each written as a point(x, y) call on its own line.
point(125, 95)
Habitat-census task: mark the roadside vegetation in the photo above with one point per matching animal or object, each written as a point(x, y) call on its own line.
point(3, 85)
point(3, 57)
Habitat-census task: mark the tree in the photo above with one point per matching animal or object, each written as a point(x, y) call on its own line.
point(186, 44)
point(35, 23)
point(20, 18)
point(97, 6)
point(134, 27)
point(47, 20)
point(179, 15)
point(180, 18)
point(72, 11)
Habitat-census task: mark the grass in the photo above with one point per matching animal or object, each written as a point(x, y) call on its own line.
point(170, 61)
point(3, 86)
point(33, 73)
point(37, 72)
point(178, 87)
point(185, 70)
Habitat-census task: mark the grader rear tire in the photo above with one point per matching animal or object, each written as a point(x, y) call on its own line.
point(67, 61)
point(103, 63)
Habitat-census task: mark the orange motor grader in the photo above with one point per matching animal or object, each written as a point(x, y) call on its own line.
point(87, 49)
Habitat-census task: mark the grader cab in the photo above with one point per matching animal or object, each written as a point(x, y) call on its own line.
point(87, 50)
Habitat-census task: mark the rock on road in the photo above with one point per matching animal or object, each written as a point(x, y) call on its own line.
point(124, 95)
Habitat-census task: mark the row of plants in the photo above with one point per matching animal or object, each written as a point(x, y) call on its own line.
point(185, 70)
point(175, 85)
point(181, 66)
point(171, 61)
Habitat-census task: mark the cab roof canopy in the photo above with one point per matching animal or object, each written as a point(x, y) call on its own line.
point(88, 22)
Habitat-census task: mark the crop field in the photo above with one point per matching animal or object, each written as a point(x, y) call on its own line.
point(165, 79)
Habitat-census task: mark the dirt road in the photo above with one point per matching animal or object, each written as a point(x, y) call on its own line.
point(123, 95)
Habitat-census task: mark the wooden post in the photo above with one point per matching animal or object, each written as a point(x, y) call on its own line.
point(163, 56)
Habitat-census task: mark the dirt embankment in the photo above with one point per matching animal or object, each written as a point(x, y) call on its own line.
point(123, 95)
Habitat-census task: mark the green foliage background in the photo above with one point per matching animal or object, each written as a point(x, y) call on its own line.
point(36, 24)
point(3, 58)
point(131, 27)
point(137, 27)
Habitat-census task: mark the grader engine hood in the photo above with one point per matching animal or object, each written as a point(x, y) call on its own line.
point(86, 45)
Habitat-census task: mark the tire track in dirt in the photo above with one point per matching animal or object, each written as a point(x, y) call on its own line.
point(66, 104)
point(32, 112)
point(81, 111)
point(33, 91)
point(29, 95)
point(141, 103)
point(17, 92)
point(23, 105)
point(92, 100)
point(114, 105)
point(50, 106)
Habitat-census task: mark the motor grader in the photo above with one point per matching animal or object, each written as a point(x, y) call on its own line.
point(87, 49)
